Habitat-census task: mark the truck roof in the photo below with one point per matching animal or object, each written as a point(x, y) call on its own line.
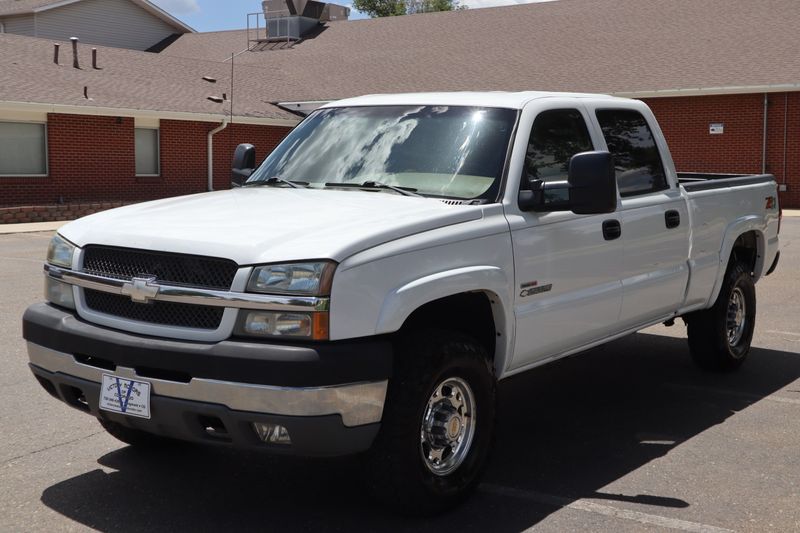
point(511, 100)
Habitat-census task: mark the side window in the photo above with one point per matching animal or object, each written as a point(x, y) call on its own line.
point(636, 157)
point(556, 136)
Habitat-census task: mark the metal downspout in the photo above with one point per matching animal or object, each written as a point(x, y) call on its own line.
point(785, 134)
point(764, 141)
point(211, 151)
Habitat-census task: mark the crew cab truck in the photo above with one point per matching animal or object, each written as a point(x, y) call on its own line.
point(367, 285)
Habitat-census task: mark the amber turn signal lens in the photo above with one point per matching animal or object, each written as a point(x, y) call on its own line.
point(321, 322)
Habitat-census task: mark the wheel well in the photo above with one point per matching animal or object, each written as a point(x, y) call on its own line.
point(745, 250)
point(469, 313)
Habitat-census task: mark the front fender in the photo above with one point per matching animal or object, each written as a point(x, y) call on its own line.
point(400, 303)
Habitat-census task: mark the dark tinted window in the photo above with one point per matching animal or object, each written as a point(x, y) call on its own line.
point(556, 136)
point(636, 157)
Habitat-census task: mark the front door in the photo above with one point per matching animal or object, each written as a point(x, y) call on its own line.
point(568, 288)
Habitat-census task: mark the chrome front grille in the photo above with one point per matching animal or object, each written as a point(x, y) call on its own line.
point(161, 313)
point(167, 268)
point(172, 269)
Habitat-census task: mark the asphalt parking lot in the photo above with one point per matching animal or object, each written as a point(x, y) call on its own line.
point(627, 437)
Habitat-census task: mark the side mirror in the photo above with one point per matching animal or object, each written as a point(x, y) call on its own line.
point(244, 163)
point(590, 188)
point(592, 183)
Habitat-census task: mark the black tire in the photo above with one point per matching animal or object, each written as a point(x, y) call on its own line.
point(396, 472)
point(134, 437)
point(710, 344)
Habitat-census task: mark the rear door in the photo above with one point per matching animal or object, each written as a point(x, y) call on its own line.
point(654, 215)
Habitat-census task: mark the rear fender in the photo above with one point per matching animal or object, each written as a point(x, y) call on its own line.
point(743, 225)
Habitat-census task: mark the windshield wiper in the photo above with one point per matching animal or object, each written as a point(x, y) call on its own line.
point(405, 191)
point(274, 180)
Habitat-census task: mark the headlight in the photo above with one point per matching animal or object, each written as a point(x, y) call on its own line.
point(60, 252)
point(312, 326)
point(298, 279)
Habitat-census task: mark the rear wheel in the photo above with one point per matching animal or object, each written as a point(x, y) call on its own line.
point(437, 425)
point(720, 337)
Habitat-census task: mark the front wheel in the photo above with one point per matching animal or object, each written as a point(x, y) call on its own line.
point(720, 337)
point(437, 425)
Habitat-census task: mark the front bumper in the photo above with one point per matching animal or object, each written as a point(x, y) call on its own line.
point(329, 396)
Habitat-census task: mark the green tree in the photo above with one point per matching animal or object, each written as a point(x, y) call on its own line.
point(391, 8)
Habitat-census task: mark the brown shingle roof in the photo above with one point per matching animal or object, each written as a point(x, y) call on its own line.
point(127, 79)
point(608, 46)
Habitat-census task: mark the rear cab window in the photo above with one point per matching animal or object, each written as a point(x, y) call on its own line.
point(637, 160)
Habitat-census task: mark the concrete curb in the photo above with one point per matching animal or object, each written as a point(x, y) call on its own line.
point(30, 227)
point(791, 212)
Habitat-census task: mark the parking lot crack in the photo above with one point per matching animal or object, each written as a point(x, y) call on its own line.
point(46, 448)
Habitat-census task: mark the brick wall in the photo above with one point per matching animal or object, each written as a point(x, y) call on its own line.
point(91, 159)
point(45, 213)
point(685, 122)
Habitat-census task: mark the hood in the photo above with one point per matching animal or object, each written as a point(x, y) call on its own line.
point(267, 225)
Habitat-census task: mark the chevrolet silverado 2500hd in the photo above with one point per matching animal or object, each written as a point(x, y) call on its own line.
point(368, 284)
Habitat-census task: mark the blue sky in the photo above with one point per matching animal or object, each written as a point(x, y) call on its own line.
point(211, 15)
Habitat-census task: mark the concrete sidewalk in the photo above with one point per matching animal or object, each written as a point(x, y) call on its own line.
point(31, 227)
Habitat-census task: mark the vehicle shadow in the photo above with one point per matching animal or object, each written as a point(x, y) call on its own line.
point(565, 430)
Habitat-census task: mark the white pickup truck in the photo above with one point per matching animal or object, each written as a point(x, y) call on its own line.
point(369, 283)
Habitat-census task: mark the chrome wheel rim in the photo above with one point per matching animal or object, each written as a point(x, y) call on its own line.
point(448, 426)
point(736, 319)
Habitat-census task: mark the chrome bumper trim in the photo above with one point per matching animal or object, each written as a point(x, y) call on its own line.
point(357, 403)
point(189, 295)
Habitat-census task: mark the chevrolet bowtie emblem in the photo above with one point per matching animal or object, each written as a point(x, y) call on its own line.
point(141, 290)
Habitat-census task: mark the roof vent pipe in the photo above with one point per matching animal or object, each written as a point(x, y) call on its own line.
point(94, 58)
point(56, 48)
point(75, 63)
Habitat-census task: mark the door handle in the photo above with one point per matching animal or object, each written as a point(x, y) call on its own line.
point(611, 230)
point(672, 219)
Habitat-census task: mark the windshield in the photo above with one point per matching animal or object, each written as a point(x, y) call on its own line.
point(447, 151)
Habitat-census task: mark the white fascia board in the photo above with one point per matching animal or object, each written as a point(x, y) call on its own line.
point(164, 15)
point(305, 107)
point(710, 91)
point(6, 106)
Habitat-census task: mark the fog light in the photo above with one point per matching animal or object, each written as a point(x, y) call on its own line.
point(59, 293)
point(272, 433)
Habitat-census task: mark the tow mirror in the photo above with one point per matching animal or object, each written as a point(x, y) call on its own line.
point(592, 183)
point(590, 188)
point(244, 163)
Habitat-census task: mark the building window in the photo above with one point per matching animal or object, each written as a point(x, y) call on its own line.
point(23, 149)
point(636, 157)
point(147, 163)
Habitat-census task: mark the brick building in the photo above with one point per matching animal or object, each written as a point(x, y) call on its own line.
point(722, 76)
point(136, 126)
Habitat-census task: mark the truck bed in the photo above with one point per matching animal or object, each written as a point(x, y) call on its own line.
point(698, 181)
point(720, 204)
